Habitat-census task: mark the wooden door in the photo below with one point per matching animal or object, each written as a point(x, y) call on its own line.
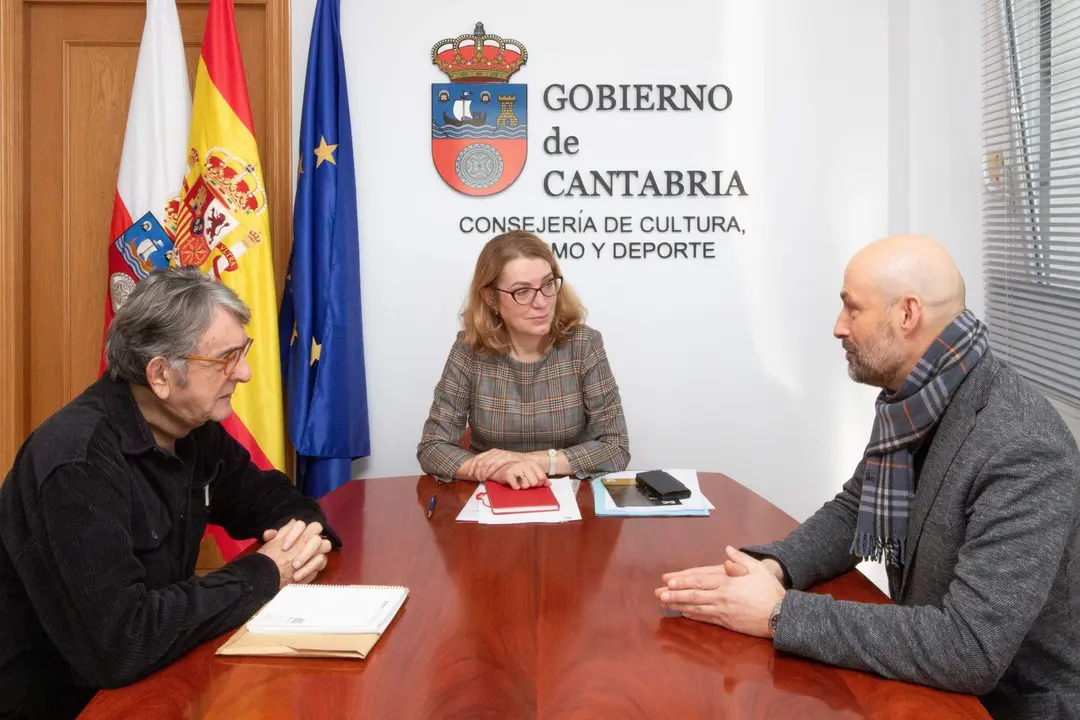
point(65, 97)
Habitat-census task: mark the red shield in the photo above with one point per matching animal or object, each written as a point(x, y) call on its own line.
point(478, 135)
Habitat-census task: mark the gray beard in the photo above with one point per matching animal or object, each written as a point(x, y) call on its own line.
point(878, 365)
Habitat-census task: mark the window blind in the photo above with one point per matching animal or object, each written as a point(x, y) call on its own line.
point(1031, 198)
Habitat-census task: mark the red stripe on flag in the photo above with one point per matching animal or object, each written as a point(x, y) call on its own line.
point(229, 547)
point(221, 55)
point(121, 218)
point(235, 427)
point(121, 221)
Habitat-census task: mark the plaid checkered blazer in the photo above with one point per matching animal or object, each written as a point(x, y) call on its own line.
point(567, 400)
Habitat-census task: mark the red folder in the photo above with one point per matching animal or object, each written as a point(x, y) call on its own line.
point(503, 499)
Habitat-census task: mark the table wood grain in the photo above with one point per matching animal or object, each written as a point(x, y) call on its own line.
point(533, 621)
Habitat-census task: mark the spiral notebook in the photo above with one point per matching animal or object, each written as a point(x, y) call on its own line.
point(345, 609)
point(319, 621)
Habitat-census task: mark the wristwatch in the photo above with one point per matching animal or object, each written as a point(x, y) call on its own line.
point(553, 457)
point(774, 617)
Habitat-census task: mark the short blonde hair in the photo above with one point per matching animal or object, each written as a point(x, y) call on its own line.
point(485, 333)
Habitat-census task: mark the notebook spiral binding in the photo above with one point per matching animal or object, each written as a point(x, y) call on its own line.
point(366, 587)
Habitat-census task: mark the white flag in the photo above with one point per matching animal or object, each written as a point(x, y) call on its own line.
point(154, 159)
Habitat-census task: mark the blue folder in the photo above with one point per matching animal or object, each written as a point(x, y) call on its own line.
point(599, 495)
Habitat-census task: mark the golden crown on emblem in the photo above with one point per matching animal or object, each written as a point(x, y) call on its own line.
point(235, 181)
point(479, 57)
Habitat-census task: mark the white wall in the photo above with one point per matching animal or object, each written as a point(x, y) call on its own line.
point(852, 119)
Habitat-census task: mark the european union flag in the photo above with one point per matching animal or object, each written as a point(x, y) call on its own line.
point(322, 338)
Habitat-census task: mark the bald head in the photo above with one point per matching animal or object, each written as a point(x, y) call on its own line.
point(911, 265)
point(899, 293)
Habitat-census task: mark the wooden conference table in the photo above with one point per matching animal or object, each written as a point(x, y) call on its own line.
point(533, 621)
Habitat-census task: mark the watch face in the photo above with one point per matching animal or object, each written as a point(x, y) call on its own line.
point(774, 619)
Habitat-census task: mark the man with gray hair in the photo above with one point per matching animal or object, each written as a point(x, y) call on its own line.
point(102, 513)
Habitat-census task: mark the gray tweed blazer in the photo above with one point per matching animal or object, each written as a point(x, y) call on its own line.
point(988, 601)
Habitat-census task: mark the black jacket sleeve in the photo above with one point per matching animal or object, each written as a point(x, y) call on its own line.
point(247, 501)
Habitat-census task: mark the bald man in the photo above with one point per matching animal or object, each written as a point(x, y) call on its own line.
point(969, 491)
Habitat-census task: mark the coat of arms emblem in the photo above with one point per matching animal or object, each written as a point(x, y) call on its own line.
point(478, 128)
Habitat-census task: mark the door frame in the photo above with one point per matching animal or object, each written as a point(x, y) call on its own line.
point(14, 244)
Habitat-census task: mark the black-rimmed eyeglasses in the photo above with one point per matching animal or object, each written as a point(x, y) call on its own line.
point(525, 295)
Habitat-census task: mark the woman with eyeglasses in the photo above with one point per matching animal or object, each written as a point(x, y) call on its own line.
point(526, 376)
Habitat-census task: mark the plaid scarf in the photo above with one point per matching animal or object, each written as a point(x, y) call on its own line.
point(901, 420)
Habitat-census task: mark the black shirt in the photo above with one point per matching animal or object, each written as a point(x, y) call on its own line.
point(99, 536)
point(919, 456)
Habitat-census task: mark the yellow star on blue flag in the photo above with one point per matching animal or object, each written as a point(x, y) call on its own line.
point(325, 152)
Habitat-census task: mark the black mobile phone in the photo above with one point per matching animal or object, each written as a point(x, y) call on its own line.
point(661, 485)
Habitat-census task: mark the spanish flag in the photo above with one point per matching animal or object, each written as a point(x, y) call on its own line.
point(220, 222)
